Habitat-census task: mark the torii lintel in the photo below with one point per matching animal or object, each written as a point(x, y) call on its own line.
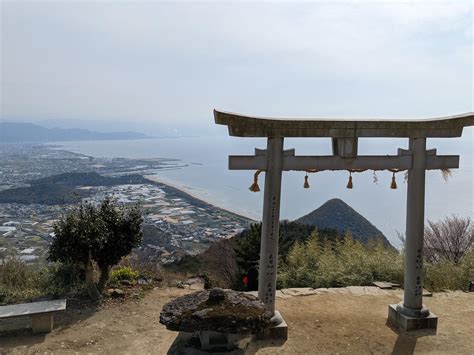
point(254, 126)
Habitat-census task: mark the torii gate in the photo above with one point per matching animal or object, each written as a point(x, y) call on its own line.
point(410, 314)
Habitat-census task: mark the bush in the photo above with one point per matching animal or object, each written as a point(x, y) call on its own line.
point(96, 234)
point(16, 274)
point(124, 273)
point(318, 263)
point(325, 263)
point(449, 275)
point(57, 279)
point(18, 281)
point(21, 282)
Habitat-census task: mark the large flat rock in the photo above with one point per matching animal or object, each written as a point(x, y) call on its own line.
point(217, 310)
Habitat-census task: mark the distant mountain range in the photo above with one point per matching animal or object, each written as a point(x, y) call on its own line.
point(12, 132)
point(337, 215)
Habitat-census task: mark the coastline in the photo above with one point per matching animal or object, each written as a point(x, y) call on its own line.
point(156, 179)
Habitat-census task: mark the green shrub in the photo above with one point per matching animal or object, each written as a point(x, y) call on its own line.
point(324, 263)
point(18, 281)
point(447, 275)
point(18, 275)
point(124, 273)
point(318, 263)
point(58, 279)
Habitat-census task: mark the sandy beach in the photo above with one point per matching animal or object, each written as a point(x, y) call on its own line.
point(192, 194)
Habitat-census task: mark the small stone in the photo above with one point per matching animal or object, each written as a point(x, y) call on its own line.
point(125, 283)
point(116, 293)
point(143, 282)
point(216, 295)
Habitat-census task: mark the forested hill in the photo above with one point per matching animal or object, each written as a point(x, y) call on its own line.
point(64, 188)
point(338, 215)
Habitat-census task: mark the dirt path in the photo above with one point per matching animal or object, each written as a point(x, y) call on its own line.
point(344, 322)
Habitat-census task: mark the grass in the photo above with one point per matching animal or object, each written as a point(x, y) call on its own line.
point(21, 282)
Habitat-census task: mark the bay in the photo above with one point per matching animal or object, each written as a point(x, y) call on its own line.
point(206, 176)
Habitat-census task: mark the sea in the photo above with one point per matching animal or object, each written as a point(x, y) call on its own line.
point(204, 173)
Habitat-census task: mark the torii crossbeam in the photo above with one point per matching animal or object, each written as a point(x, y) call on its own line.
point(410, 314)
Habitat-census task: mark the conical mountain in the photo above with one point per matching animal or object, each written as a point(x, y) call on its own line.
point(338, 215)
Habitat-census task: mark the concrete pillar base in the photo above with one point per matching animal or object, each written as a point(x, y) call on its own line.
point(408, 323)
point(277, 331)
point(42, 323)
point(213, 340)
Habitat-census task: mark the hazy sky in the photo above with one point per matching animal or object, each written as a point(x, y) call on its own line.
point(173, 62)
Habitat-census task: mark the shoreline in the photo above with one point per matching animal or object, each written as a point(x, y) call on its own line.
point(156, 179)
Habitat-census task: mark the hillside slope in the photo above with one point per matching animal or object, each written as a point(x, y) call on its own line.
point(338, 215)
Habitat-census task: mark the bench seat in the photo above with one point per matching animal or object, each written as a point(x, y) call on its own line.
point(41, 313)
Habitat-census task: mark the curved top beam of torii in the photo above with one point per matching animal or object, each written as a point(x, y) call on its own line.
point(251, 126)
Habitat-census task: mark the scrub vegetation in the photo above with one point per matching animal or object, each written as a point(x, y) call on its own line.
point(347, 262)
point(308, 258)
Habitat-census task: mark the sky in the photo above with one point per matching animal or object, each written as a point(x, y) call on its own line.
point(169, 64)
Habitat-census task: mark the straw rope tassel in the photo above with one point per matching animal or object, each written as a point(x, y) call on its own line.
point(306, 183)
point(393, 185)
point(349, 183)
point(254, 187)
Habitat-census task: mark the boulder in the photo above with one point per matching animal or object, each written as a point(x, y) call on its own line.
point(196, 283)
point(216, 310)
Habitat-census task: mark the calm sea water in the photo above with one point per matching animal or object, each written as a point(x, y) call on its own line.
point(207, 177)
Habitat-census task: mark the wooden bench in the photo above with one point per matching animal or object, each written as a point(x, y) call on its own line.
point(41, 313)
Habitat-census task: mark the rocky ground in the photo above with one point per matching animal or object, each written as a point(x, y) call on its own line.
point(327, 321)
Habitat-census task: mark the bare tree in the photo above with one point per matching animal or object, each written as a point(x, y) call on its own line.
point(451, 239)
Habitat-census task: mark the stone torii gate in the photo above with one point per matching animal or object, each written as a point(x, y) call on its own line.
point(410, 314)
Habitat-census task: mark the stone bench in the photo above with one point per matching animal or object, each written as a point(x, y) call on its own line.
point(41, 313)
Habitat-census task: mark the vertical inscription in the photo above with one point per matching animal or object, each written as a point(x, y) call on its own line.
point(419, 268)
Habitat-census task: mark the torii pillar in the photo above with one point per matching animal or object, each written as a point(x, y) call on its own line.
point(267, 273)
point(410, 314)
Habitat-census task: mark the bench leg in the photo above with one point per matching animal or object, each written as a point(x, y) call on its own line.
point(42, 323)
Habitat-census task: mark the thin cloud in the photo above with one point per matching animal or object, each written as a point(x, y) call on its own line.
point(176, 61)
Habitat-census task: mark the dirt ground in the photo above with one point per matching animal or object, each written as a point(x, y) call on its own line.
point(343, 321)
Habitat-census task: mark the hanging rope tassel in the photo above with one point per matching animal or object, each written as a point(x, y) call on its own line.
point(255, 187)
point(349, 184)
point(393, 185)
point(306, 183)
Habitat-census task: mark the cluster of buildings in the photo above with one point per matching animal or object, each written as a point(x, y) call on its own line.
point(26, 230)
point(20, 163)
point(175, 224)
